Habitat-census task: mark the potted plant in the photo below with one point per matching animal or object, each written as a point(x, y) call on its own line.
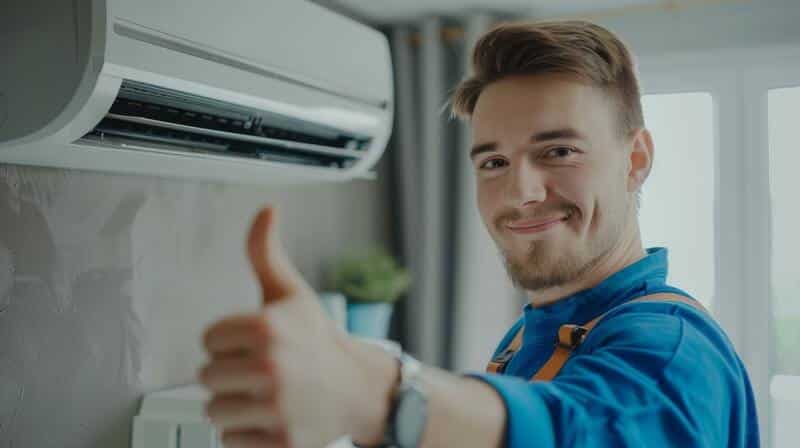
point(372, 281)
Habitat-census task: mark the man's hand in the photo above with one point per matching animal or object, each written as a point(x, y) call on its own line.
point(286, 376)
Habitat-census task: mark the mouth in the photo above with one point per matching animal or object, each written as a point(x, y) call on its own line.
point(537, 225)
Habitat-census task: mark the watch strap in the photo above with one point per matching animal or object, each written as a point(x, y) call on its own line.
point(409, 370)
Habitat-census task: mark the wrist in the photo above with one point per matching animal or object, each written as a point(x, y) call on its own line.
point(379, 376)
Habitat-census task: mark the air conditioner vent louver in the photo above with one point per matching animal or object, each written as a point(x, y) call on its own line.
point(144, 115)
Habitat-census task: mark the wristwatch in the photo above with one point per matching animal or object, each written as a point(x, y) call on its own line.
point(408, 413)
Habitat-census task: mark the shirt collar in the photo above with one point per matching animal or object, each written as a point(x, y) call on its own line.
point(620, 287)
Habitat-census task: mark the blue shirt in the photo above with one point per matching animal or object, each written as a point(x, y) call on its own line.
point(649, 374)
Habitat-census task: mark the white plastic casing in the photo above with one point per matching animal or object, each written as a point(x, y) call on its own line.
point(175, 418)
point(63, 63)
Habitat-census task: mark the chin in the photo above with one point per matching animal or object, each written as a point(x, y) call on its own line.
point(544, 264)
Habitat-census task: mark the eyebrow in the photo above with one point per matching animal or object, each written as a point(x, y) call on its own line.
point(555, 134)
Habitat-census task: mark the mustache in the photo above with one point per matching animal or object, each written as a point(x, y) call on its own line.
point(516, 215)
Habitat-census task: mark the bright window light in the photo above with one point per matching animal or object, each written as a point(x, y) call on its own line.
point(678, 198)
point(784, 185)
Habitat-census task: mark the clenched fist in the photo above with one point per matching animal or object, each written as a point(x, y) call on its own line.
point(285, 376)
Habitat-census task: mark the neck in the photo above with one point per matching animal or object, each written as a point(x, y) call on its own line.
point(627, 251)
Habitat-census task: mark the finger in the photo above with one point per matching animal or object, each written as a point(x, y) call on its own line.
point(255, 439)
point(265, 260)
point(237, 335)
point(245, 375)
point(243, 412)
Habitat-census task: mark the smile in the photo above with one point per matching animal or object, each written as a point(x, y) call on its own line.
point(535, 226)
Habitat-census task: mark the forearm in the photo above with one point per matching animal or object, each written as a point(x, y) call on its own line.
point(462, 412)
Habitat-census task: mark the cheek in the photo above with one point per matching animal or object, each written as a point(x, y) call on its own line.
point(604, 201)
point(575, 189)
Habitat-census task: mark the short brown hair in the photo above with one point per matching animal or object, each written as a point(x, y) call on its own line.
point(590, 52)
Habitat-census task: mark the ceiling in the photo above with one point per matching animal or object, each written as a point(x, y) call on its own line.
point(384, 11)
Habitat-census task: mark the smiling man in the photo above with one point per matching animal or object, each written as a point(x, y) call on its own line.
point(606, 354)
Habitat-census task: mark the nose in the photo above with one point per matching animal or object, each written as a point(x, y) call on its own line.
point(526, 184)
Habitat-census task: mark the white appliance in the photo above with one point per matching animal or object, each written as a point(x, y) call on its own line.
point(175, 418)
point(242, 91)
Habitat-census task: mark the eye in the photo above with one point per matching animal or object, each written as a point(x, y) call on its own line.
point(560, 152)
point(487, 164)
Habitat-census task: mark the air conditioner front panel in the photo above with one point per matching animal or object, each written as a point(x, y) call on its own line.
point(293, 38)
point(139, 60)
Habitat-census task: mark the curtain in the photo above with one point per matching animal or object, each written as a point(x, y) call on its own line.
point(461, 301)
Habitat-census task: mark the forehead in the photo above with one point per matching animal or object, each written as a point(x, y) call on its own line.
point(523, 105)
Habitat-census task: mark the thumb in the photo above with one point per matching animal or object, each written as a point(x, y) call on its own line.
point(278, 280)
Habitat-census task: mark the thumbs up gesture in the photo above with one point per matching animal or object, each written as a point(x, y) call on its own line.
point(286, 376)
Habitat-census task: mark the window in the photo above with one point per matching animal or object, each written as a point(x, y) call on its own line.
point(783, 105)
point(745, 108)
point(677, 210)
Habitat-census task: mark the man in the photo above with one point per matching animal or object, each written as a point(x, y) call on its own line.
point(560, 153)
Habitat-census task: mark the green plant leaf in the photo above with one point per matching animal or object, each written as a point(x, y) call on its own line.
point(370, 275)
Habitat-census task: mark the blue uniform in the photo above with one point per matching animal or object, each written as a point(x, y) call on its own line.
point(649, 374)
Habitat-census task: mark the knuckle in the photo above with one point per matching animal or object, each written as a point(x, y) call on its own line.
point(262, 409)
point(261, 379)
point(211, 410)
point(224, 412)
point(267, 414)
point(215, 371)
point(263, 366)
point(235, 439)
point(259, 328)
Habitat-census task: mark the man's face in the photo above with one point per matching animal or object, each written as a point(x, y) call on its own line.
point(552, 176)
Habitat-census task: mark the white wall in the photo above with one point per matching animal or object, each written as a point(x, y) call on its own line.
point(709, 26)
point(107, 281)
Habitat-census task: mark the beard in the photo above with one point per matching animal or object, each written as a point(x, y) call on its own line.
point(545, 265)
point(542, 268)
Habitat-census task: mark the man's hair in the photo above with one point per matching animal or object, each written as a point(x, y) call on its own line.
point(589, 52)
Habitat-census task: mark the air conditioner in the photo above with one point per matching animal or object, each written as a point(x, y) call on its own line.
point(242, 91)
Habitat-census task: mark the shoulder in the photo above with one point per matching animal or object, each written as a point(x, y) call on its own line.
point(661, 327)
point(509, 336)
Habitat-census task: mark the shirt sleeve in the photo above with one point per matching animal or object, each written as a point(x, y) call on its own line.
point(656, 375)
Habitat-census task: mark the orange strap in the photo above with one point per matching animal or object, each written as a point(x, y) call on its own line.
point(571, 336)
point(498, 363)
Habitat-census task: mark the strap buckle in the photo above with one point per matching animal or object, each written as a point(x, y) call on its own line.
point(501, 360)
point(571, 336)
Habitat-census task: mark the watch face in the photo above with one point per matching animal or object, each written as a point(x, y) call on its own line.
point(412, 413)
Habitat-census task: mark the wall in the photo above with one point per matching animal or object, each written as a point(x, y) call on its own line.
point(708, 26)
point(107, 282)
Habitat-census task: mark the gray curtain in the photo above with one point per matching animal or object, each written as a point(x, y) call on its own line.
point(460, 302)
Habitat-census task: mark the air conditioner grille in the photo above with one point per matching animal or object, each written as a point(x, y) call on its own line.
point(117, 132)
point(152, 117)
point(159, 103)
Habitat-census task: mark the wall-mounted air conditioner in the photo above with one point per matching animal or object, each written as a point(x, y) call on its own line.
point(242, 91)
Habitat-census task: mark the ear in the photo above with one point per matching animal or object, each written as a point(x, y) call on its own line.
point(640, 159)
